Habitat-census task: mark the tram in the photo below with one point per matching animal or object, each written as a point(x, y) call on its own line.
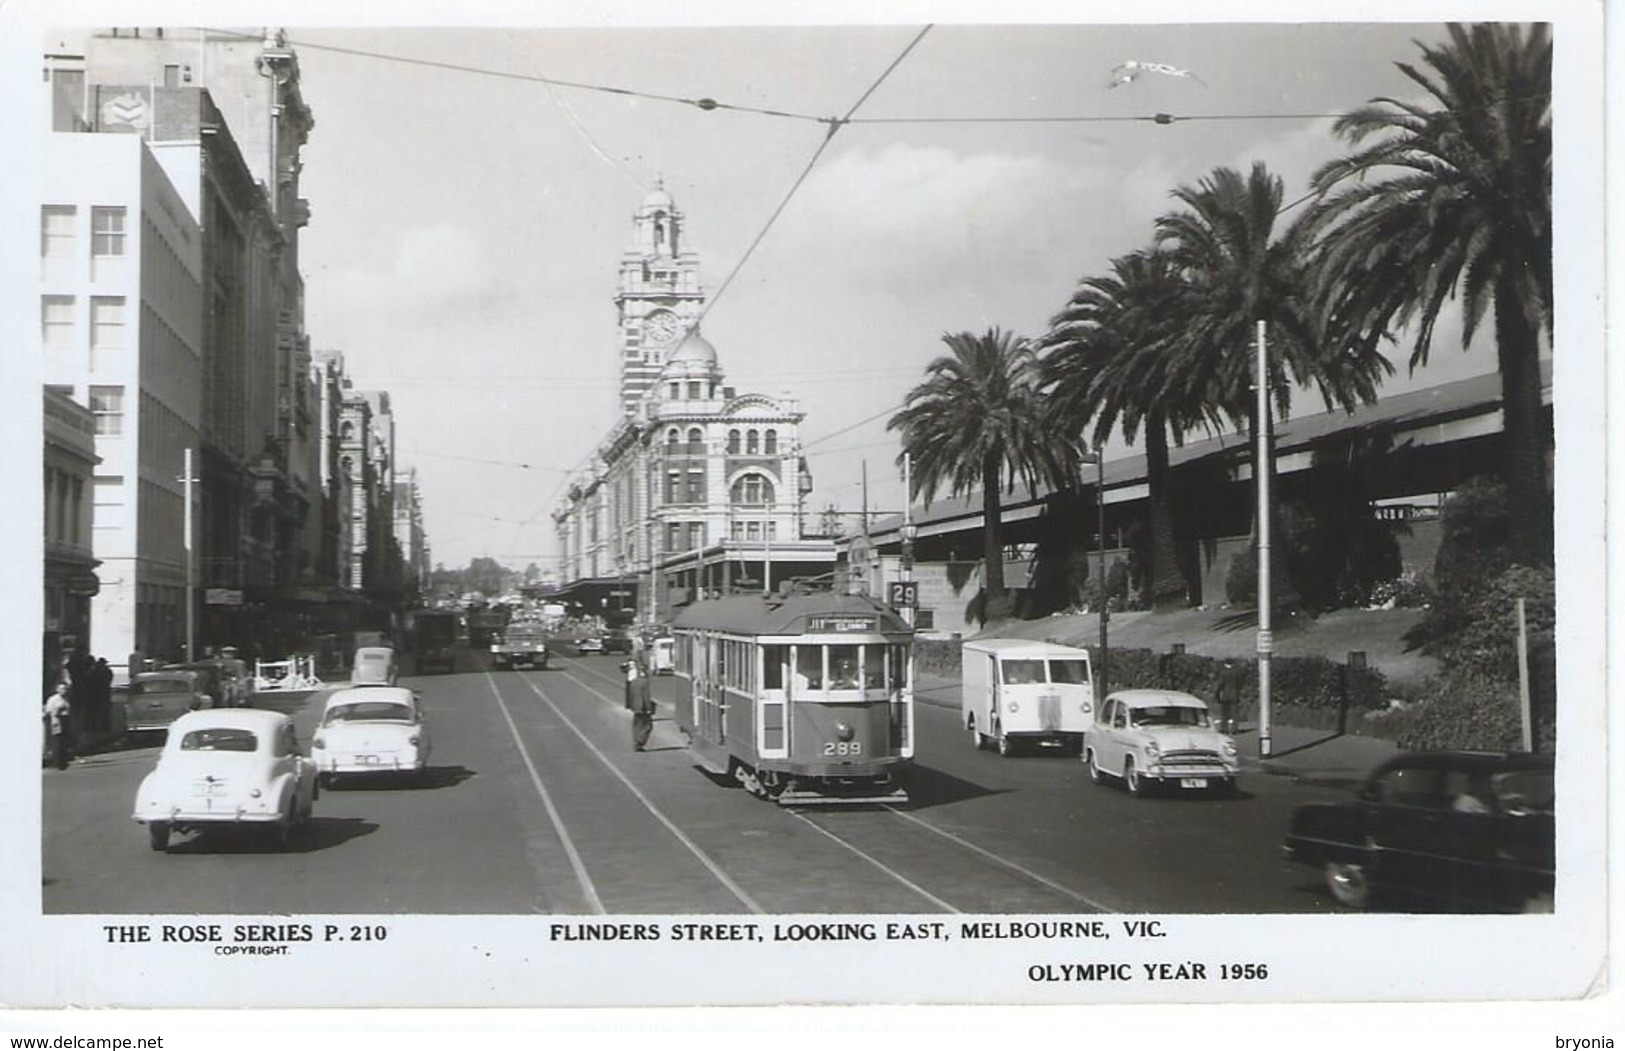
point(804, 697)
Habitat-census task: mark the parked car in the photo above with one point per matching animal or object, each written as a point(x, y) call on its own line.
point(155, 699)
point(1159, 737)
point(371, 730)
point(1470, 830)
point(590, 644)
point(373, 666)
point(227, 768)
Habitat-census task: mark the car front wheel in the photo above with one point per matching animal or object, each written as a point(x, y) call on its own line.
point(1348, 883)
point(1131, 778)
point(158, 834)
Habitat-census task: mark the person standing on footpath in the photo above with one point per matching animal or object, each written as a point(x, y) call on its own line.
point(1227, 692)
point(100, 715)
point(55, 714)
point(639, 699)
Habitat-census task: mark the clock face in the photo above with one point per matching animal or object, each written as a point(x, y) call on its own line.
point(661, 327)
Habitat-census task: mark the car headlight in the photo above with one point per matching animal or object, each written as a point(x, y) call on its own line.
point(318, 742)
point(1152, 749)
point(1229, 748)
point(254, 792)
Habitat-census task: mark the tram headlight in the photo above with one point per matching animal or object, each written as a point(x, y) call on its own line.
point(1012, 706)
point(843, 732)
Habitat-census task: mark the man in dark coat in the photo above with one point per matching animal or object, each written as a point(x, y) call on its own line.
point(1227, 692)
point(641, 701)
point(101, 696)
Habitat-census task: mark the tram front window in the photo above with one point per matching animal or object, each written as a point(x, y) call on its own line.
point(843, 667)
point(810, 667)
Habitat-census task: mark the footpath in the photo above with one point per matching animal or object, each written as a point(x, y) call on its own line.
point(1318, 756)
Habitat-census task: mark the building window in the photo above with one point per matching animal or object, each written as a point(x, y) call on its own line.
point(109, 496)
point(106, 325)
point(674, 391)
point(752, 442)
point(75, 535)
point(770, 443)
point(56, 231)
point(56, 322)
point(695, 437)
point(106, 232)
point(107, 403)
point(674, 536)
point(753, 489)
point(694, 390)
point(753, 530)
point(674, 480)
point(696, 534)
point(733, 442)
point(671, 436)
point(696, 487)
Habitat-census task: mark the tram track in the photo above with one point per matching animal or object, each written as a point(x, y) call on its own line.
point(912, 852)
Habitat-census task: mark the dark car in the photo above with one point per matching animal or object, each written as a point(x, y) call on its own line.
point(617, 641)
point(1472, 831)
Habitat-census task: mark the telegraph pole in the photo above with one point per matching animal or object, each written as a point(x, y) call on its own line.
point(187, 481)
point(1263, 468)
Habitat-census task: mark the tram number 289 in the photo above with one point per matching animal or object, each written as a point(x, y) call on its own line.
point(847, 748)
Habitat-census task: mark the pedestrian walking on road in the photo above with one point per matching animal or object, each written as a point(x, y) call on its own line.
point(639, 699)
point(57, 731)
point(1227, 693)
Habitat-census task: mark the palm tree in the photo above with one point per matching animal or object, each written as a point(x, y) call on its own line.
point(975, 423)
point(1236, 270)
point(1455, 195)
point(1106, 364)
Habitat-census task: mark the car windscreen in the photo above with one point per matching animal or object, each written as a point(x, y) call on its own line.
point(219, 739)
point(1021, 672)
point(166, 686)
point(1168, 715)
point(369, 711)
point(1068, 670)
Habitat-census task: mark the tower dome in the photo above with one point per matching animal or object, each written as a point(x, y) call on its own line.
point(695, 349)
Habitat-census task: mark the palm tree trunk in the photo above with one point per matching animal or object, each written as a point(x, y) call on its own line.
point(1529, 497)
point(994, 602)
point(1166, 585)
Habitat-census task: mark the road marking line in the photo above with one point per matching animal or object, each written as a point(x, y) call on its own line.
point(877, 863)
point(694, 848)
point(587, 889)
point(968, 845)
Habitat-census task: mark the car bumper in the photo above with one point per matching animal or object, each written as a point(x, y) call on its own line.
point(1178, 773)
point(371, 764)
point(224, 815)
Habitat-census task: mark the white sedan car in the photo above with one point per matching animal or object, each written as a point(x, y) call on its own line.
point(371, 730)
point(225, 768)
point(1159, 737)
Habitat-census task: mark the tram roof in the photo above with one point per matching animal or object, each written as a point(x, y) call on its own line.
point(784, 614)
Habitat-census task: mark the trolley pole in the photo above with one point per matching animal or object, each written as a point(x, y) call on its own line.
point(1262, 468)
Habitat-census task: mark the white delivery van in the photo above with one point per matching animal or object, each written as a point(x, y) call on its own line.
point(1018, 692)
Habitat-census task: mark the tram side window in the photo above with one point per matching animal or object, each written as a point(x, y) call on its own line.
point(810, 667)
point(899, 666)
point(773, 658)
point(874, 667)
point(843, 667)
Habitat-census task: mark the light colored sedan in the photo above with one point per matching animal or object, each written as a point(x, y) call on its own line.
point(224, 768)
point(1159, 737)
point(371, 730)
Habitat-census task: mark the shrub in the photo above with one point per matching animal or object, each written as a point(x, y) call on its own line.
point(1302, 682)
point(1469, 710)
point(1409, 590)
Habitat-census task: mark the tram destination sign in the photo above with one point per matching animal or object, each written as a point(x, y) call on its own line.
point(839, 624)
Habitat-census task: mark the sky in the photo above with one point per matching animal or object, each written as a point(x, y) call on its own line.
point(467, 223)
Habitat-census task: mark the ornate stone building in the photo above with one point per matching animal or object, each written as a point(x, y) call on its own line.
point(697, 486)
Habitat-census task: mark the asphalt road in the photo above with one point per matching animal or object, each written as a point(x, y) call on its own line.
point(536, 803)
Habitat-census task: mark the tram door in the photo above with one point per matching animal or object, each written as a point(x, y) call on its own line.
point(708, 697)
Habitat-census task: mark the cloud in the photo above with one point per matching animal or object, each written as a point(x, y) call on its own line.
point(429, 270)
point(908, 217)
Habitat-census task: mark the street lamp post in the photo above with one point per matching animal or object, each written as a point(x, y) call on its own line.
point(1263, 468)
point(1098, 458)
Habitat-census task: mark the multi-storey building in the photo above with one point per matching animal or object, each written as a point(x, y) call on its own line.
point(70, 562)
point(224, 114)
point(121, 331)
point(697, 486)
point(409, 536)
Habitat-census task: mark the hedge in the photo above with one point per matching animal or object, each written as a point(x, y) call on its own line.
point(1305, 685)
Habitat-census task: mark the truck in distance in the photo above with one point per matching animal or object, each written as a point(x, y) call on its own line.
point(520, 645)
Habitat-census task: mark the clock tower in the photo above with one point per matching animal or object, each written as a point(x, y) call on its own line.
point(659, 296)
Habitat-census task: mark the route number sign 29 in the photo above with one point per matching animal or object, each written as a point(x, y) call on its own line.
point(903, 594)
